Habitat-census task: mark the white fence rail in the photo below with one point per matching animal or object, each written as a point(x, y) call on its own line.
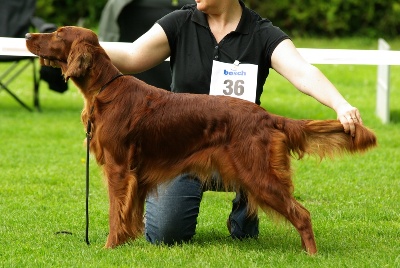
point(383, 58)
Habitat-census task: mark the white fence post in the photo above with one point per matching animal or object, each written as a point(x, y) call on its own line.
point(383, 87)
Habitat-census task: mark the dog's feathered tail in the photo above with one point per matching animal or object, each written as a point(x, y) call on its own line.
point(324, 138)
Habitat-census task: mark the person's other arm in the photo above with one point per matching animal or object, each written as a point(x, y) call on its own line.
point(288, 62)
point(147, 51)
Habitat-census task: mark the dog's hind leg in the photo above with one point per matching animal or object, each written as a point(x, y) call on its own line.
point(266, 177)
point(301, 220)
point(271, 194)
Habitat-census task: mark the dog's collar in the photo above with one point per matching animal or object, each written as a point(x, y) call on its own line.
point(103, 87)
point(109, 82)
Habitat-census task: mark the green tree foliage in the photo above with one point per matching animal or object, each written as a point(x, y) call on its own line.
point(371, 18)
point(71, 12)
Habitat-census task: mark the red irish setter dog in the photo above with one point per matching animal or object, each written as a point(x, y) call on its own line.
point(143, 136)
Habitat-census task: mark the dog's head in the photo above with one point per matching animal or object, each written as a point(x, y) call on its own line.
point(71, 47)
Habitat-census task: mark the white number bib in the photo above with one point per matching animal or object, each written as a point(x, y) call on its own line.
point(235, 80)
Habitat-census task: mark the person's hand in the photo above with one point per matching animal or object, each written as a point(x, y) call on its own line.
point(47, 62)
point(348, 116)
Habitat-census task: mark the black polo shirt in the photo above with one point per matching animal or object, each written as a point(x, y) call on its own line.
point(193, 47)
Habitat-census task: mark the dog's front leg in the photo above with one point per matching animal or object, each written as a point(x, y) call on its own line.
point(126, 206)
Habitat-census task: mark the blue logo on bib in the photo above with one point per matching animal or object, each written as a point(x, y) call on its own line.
point(234, 72)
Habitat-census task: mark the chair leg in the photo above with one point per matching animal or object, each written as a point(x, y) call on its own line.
point(36, 84)
point(16, 98)
point(14, 72)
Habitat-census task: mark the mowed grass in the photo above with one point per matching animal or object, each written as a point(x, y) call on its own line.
point(354, 200)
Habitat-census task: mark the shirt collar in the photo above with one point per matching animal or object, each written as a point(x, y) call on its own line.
point(243, 26)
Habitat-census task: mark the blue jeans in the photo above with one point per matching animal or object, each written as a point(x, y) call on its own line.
point(171, 212)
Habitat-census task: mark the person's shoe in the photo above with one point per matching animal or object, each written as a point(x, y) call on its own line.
point(240, 224)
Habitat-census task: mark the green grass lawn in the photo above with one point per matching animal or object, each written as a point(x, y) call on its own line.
point(354, 201)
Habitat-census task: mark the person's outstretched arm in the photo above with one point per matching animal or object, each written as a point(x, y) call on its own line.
point(288, 62)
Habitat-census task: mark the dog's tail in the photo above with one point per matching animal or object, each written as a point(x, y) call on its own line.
point(324, 138)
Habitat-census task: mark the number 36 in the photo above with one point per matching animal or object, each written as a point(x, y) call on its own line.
point(232, 87)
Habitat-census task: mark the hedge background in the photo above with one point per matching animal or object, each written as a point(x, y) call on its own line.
point(341, 18)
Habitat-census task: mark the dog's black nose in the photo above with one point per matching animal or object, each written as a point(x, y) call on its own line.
point(28, 36)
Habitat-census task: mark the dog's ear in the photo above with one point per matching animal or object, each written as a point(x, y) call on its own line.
point(79, 60)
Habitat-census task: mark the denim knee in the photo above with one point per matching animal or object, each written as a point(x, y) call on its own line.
point(171, 212)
